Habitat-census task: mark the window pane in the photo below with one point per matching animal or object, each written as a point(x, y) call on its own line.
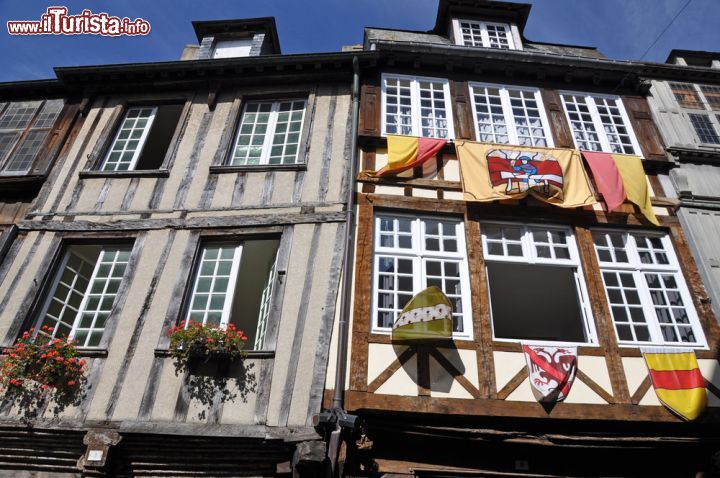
point(498, 36)
point(489, 116)
point(82, 300)
point(214, 274)
point(471, 33)
point(640, 295)
point(687, 96)
point(398, 106)
point(586, 137)
point(535, 302)
point(526, 115)
point(286, 141)
point(712, 96)
point(18, 115)
point(136, 124)
point(616, 132)
point(705, 129)
point(24, 156)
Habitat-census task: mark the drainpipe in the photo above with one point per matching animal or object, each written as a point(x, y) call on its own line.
point(341, 418)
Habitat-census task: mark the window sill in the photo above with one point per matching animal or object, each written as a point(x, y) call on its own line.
point(251, 354)
point(144, 173)
point(258, 168)
point(85, 352)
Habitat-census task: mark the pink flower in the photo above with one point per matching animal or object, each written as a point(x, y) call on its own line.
point(71, 383)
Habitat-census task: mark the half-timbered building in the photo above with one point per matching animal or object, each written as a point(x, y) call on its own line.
point(209, 189)
point(516, 271)
point(685, 101)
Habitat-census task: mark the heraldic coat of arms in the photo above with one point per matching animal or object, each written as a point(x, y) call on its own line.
point(516, 173)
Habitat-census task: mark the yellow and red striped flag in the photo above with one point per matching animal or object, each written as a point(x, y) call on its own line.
point(677, 380)
point(407, 152)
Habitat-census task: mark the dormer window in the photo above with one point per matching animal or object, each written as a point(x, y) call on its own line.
point(483, 34)
point(233, 48)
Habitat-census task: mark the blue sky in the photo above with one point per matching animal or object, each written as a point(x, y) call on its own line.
point(622, 29)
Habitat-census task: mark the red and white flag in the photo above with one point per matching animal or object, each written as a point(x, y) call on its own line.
point(551, 371)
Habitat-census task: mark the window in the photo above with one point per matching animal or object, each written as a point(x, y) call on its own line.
point(269, 133)
point(704, 128)
point(24, 126)
point(83, 293)
point(233, 48)
point(417, 106)
point(537, 291)
point(143, 138)
point(233, 283)
point(648, 298)
point(413, 253)
point(694, 99)
point(600, 123)
point(509, 115)
point(483, 34)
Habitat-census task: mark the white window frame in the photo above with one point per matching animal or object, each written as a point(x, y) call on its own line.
point(713, 115)
point(269, 133)
point(484, 36)
point(141, 140)
point(530, 257)
point(638, 268)
point(232, 48)
point(232, 282)
point(86, 296)
point(415, 103)
point(597, 122)
point(418, 254)
point(504, 91)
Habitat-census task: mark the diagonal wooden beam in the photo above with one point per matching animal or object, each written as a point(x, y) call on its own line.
point(449, 367)
point(641, 391)
point(580, 375)
point(513, 383)
point(712, 388)
point(392, 368)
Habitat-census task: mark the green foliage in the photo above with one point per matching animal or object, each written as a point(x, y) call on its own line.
point(197, 341)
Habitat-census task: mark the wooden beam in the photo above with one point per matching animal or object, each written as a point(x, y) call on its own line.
point(449, 367)
point(514, 383)
point(399, 361)
point(580, 375)
point(641, 390)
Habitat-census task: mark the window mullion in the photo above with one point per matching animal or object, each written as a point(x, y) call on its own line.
point(269, 133)
point(143, 138)
point(648, 308)
point(484, 35)
point(230, 293)
point(599, 127)
point(86, 297)
point(509, 116)
point(415, 107)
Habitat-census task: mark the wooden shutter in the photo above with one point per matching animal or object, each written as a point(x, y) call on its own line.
point(558, 122)
point(646, 132)
point(462, 109)
point(370, 97)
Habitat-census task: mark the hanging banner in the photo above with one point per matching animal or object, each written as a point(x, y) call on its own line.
point(428, 316)
point(551, 371)
point(620, 177)
point(492, 172)
point(407, 152)
point(677, 380)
